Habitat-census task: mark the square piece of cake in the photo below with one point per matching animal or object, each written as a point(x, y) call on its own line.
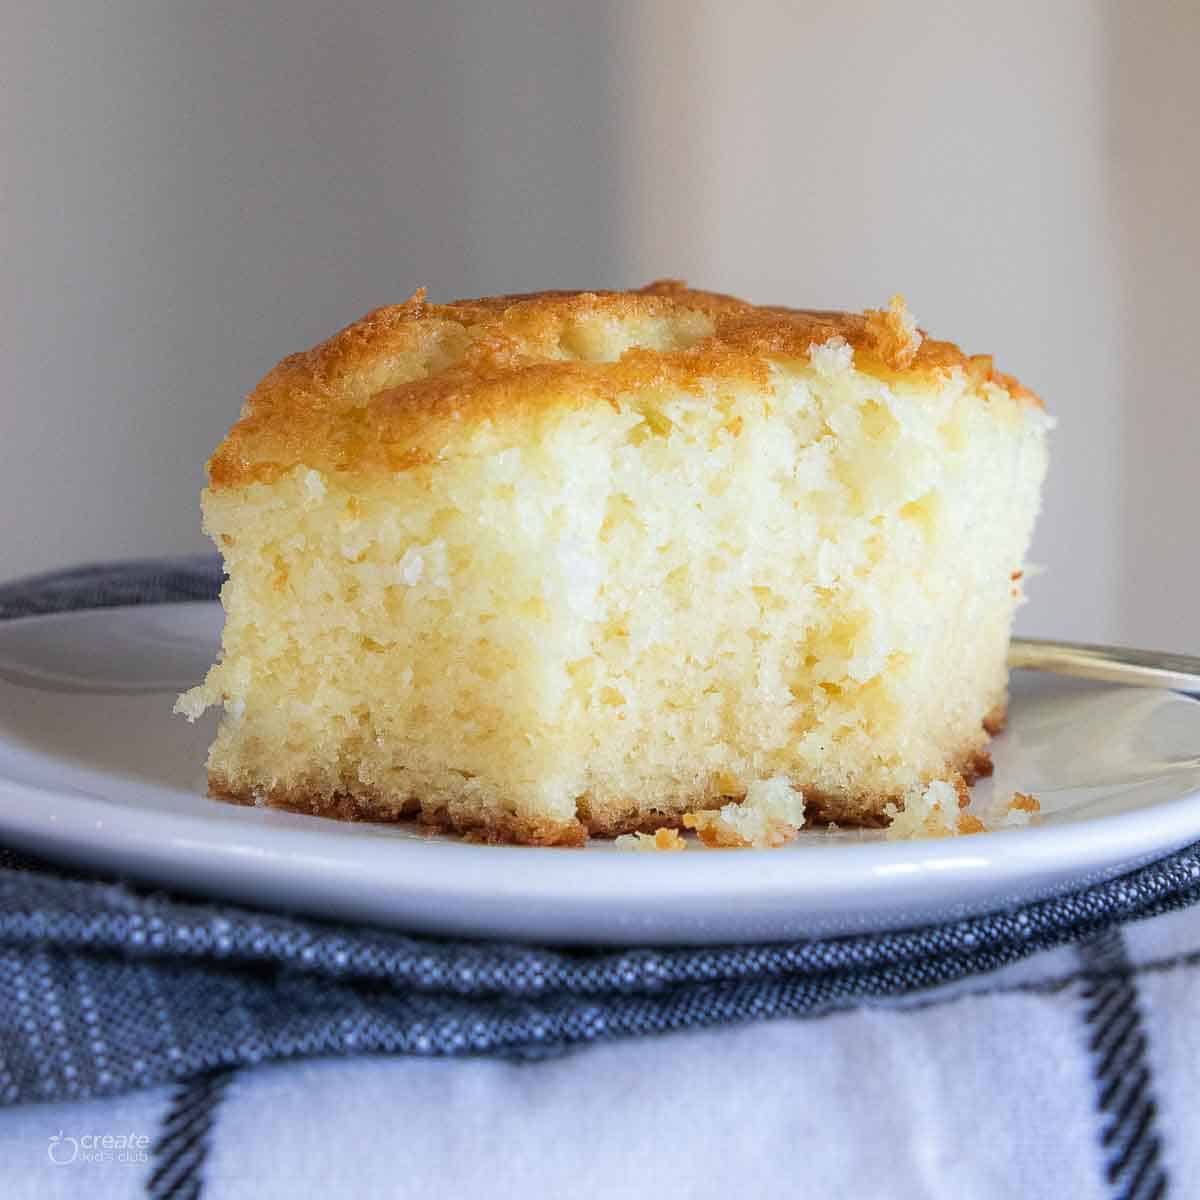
point(539, 567)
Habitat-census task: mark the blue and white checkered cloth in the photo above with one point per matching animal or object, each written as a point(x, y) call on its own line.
point(152, 1045)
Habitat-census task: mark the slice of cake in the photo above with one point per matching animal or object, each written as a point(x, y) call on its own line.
point(534, 567)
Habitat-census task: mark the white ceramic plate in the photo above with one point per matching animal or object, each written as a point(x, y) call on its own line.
point(94, 770)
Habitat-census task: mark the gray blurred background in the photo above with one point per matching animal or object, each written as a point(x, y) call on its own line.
point(192, 190)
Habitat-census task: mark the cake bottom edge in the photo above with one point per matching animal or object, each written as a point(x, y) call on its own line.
point(369, 804)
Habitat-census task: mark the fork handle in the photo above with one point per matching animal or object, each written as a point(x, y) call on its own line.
point(1110, 664)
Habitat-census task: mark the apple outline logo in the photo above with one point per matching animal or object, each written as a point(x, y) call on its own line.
point(59, 1140)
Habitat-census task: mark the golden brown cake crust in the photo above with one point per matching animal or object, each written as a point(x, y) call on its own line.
point(394, 390)
point(482, 825)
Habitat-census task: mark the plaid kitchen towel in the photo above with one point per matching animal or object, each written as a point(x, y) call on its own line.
point(1043, 1048)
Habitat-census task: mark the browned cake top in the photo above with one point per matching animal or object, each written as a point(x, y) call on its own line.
point(393, 390)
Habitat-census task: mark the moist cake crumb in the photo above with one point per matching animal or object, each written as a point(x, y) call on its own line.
point(771, 815)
